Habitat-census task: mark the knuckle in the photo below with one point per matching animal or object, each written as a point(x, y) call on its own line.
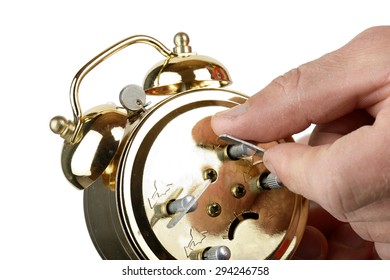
point(289, 82)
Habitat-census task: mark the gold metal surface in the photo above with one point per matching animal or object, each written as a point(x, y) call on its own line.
point(92, 140)
point(63, 127)
point(86, 160)
point(192, 70)
point(182, 44)
point(134, 164)
point(74, 89)
point(157, 161)
point(185, 71)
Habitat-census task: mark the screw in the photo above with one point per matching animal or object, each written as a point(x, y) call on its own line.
point(210, 174)
point(238, 191)
point(214, 209)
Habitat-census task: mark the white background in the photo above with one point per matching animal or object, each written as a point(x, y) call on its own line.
point(44, 43)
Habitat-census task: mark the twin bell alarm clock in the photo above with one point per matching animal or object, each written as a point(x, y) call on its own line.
point(159, 184)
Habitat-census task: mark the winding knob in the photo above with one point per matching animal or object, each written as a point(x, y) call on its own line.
point(217, 253)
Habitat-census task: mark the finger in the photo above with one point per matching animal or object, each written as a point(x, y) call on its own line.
point(378, 211)
point(346, 244)
point(321, 219)
point(317, 92)
point(383, 250)
point(313, 246)
point(338, 176)
point(203, 134)
point(330, 132)
point(373, 231)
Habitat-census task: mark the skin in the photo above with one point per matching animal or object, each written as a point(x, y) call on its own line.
point(345, 167)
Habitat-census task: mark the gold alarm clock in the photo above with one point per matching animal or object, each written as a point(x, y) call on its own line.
point(159, 184)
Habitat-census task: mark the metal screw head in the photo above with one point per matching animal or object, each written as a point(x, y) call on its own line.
point(238, 191)
point(214, 209)
point(210, 174)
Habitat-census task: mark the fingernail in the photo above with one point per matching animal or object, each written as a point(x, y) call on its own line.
point(234, 112)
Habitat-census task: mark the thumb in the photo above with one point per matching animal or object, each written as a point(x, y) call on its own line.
point(342, 176)
point(295, 164)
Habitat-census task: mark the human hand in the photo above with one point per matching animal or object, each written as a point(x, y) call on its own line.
point(346, 166)
point(325, 237)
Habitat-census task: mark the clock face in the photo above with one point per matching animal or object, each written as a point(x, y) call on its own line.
point(181, 197)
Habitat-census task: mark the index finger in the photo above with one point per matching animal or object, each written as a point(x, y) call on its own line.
point(316, 92)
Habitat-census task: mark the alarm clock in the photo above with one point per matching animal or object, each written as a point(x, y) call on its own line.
point(159, 184)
